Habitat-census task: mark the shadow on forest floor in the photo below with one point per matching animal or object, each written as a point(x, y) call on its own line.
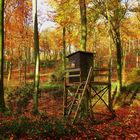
point(130, 94)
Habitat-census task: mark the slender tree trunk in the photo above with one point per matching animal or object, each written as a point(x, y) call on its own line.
point(28, 57)
point(110, 55)
point(124, 64)
point(44, 54)
point(137, 55)
point(64, 59)
point(37, 58)
point(69, 42)
point(83, 24)
point(64, 47)
point(19, 69)
point(32, 55)
point(137, 59)
point(119, 59)
point(10, 71)
point(25, 64)
point(95, 39)
point(6, 65)
point(2, 102)
point(25, 71)
point(19, 64)
point(129, 46)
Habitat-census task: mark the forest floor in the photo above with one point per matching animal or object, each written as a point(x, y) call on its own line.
point(49, 125)
point(125, 126)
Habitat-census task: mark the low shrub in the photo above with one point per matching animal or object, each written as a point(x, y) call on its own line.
point(58, 75)
point(18, 99)
point(47, 63)
point(37, 129)
point(31, 75)
point(16, 129)
point(133, 76)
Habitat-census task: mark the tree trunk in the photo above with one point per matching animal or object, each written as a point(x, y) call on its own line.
point(119, 59)
point(6, 65)
point(19, 69)
point(137, 54)
point(124, 64)
point(2, 102)
point(25, 64)
point(10, 71)
point(37, 58)
point(83, 24)
point(137, 59)
point(28, 57)
point(64, 59)
point(25, 71)
point(110, 55)
point(94, 44)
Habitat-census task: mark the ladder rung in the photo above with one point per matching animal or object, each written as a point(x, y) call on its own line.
point(100, 83)
point(77, 101)
point(73, 70)
point(80, 89)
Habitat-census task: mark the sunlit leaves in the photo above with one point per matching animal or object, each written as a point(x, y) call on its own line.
point(16, 25)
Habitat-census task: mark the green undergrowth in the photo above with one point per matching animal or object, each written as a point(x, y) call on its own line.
point(42, 128)
point(54, 89)
point(133, 76)
point(132, 81)
point(17, 99)
point(50, 86)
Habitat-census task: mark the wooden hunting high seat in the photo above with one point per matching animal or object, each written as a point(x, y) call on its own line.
point(100, 85)
point(83, 83)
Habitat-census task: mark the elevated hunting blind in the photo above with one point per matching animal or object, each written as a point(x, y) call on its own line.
point(82, 83)
point(79, 64)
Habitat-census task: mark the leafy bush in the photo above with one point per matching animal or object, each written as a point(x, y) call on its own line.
point(58, 74)
point(17, 128)
point(50, 64)
point(39, 129)
point(47, 63)
point(31, 75)
point(132, 81)
point(18, 99)
point(133, 76)
point(56, 90)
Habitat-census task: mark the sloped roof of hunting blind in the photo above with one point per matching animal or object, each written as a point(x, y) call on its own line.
point(82, 60)
point(82, 52)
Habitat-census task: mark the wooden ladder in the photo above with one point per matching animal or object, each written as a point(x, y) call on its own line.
point(81, 90)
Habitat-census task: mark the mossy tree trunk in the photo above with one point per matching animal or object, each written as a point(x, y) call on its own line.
point(119, 59)
point(37, 58)
point(83, 17)
point(83, 24)
point(110, 53)
point(2, 103)
point(118, 15)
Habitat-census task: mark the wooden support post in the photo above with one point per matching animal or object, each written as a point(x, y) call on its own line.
point(109, 87)
point(64, 59)
point(90, 102)
point(88, 99)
